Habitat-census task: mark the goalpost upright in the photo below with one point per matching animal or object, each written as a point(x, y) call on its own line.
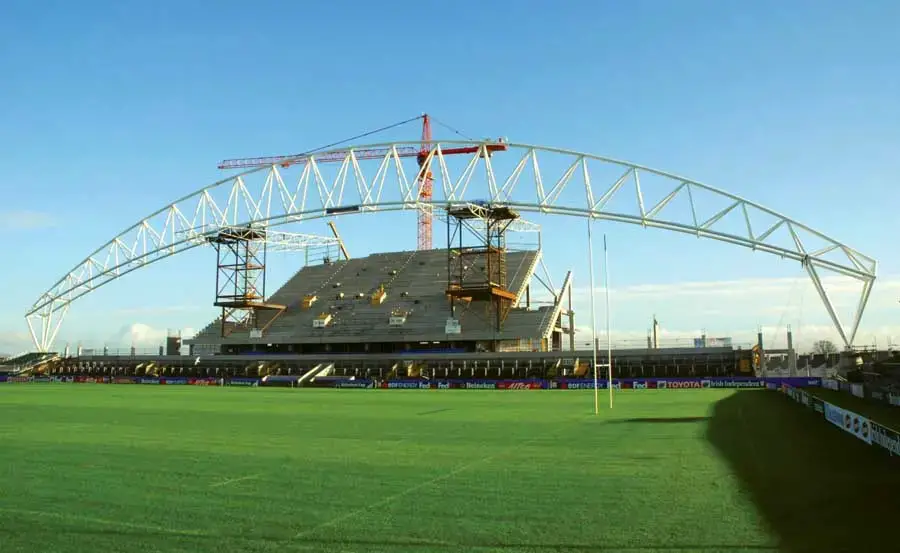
point(609, 375)
point(594, 342)
point(593, 317)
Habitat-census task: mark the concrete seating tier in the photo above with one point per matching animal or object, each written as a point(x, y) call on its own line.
point(415, 282)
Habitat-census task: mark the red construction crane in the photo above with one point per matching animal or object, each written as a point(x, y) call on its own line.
point(423, 223)
point(425, 180)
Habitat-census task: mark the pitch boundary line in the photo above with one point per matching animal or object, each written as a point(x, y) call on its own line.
point(95, 520)
point(234, 480)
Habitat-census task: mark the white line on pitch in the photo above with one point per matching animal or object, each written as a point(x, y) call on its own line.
point(95, 520)
point(398, 495)
point(233, 480)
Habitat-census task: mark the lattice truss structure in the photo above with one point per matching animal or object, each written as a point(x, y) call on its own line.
point(524, 177)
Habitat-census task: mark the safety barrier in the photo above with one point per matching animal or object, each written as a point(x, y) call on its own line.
point(862, 391)
point(862, 428)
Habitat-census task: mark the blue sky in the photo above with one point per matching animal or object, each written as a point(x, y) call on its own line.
point(109, 110)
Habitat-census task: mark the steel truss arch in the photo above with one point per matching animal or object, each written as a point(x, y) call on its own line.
point(576, 185)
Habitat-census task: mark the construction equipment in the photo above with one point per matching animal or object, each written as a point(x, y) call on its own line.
point(378, 296)
point(334, 231)
point(241, 279)
point(424, 179)
point(426, 185)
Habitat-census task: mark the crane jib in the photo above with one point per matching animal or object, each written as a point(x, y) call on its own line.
point(340, 155)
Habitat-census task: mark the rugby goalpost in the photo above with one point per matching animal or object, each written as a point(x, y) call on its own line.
point(594, 344)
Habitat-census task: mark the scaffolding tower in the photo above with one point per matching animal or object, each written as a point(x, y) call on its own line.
point(241, 279)
point(477, 272)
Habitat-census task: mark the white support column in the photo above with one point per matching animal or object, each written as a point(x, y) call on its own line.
point(60, 316)
point(863, 300)
point(46, 319)
point(814, 275)
point(34, 339)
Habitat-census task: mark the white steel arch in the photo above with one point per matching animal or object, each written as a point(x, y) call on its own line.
point(526, 177)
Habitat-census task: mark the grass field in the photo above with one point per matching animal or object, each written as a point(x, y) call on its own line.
point(93, 468)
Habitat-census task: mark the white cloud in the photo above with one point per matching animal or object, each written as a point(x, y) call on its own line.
point(736, 308)
point(637, 338)
point(773, 337)
point(25, 219)
point(155, 310)
point(141, 335)
point(836, 285)
point(13, 342)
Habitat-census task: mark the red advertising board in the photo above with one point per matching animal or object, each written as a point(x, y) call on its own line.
point(518, 385)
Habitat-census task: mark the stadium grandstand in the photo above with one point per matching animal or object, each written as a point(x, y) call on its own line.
point(631, 363)
point(389, 302)
point(25, 362)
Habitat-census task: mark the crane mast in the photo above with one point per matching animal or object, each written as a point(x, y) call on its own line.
point(426, 184)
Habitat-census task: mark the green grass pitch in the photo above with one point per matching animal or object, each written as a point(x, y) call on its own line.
point(96, 468)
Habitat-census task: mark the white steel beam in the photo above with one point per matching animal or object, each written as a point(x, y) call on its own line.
point(817, 282)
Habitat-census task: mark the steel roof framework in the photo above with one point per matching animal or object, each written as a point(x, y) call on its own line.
point(575, 184)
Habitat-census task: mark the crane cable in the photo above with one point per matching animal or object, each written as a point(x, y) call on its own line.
point(786, 308)
point(357, 137)
point(445, 125)
point(382, 129)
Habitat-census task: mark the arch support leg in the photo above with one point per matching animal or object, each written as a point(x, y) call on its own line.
point(863, 300)
point(44, 326)
point(846, 338)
